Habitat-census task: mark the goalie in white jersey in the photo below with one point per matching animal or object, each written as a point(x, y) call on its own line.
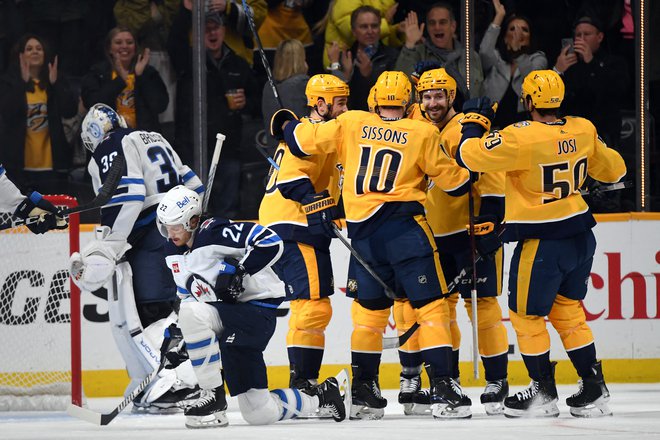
point(228, 314)
point(127, 257)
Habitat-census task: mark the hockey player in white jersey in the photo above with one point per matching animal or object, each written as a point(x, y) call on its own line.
point(33, 205)
point(229, 297)
point(127, 257)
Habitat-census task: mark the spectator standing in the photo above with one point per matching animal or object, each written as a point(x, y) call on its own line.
point(596, 81)
point(290, 75)
point(441, 46)
point(231, 92)
point(33, 100)
point(150, 22)
point(126, 82)
point(507, 57)
point(367, 58)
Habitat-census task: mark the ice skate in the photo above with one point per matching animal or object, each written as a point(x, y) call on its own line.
point(208, 411)
point(408, 387)
point(592, 397)
point(448, 401)
point(539, 399)
point(368, 402)
point(333, 395)
point(493, 396)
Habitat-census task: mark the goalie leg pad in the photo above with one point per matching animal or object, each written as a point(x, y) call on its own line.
point(200, 324)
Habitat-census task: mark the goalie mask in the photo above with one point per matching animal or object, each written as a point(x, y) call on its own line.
point(99, 121)
point(177, 207)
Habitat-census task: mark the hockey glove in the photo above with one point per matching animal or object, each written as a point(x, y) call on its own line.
point(39, 214)
point(320, 210)
point(421, 67)
point(229, 284)
point(479, 113)
point(172, 351)
point(277, 122)
point(486, 237)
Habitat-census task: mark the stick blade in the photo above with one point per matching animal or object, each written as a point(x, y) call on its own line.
point(84, 414)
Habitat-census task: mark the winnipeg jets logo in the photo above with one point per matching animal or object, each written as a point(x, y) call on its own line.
point(230, 339)
point(200, 289)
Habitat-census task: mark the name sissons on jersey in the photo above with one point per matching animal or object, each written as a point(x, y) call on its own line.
point(384, 134)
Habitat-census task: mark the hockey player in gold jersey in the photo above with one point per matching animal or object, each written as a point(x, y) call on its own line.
point(385, 159)
point(305, 267)
point(448, 217)
point(546, 161)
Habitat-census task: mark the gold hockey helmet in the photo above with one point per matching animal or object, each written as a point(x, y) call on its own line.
point(544, 87)
point(392, 89)
point(325, 86)
point(437, 79)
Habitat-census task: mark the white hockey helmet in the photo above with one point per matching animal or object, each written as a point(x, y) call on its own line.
point(177, 207)
point(99, 121)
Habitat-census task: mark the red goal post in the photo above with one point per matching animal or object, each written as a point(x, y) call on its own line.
point(39, 317)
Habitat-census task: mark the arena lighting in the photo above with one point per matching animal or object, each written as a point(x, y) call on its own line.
point(467, 40)
point(642, 138)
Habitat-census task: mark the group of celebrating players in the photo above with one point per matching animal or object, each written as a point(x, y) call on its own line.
point(407, 177)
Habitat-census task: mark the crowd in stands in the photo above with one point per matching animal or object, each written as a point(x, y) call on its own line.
point(58, 58)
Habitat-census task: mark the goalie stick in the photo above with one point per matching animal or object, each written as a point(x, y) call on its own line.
point(103, 419)
point(104, 195)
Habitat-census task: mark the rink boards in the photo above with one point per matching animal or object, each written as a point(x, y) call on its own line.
point(622, 306)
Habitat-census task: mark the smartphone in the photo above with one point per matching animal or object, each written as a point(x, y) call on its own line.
point(568, 42)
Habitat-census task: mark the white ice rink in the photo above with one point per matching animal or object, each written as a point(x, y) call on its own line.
point(636, 416)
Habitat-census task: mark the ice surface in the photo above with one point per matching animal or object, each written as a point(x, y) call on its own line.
point(636, 416)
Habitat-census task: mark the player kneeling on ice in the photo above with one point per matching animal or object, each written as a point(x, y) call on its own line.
point(223, 274)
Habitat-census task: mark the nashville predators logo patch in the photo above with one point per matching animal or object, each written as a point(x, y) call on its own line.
point(421, 279)
point(352, 285)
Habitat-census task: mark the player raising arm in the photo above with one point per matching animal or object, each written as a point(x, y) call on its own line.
point(11, 200)
point(305, 266)
point(127, 255)
point(385, 158)
point(546, 161)
point(228, 313)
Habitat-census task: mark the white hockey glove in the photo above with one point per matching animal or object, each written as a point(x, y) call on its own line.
point(94, 266)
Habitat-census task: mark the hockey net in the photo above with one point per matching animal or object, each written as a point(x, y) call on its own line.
point(39, 317)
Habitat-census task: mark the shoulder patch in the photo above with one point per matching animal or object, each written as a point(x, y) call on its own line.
point(521, 124)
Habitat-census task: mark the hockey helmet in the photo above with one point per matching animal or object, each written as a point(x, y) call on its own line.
point(177, 207)
point(544, 87)
point(437, 79)
point(100, 120)
point(371, 99)
point(392, 89)
point(325, 86)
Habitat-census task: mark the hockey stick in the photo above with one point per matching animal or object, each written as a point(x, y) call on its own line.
point(219, 140)
point(103, 419)
point(104, 195)
point(269, 74)
point(389, 292)
point(605, 188)
point(473, 291)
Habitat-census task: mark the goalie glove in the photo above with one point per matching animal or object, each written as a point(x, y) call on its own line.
point(229, 284)
point(93, 267)
point(45, 216)
point(277, 122)
point(478, 115)
point(321, 210)
point(486, 237)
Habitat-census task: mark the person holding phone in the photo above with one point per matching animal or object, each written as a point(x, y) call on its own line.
point(596, 80)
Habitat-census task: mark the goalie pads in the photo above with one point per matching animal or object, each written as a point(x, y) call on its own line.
point(92, 268)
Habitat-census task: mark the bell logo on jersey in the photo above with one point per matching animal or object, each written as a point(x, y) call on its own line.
point(175, 268)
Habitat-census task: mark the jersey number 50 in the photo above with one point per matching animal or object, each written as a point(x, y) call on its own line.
point(561, 188)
